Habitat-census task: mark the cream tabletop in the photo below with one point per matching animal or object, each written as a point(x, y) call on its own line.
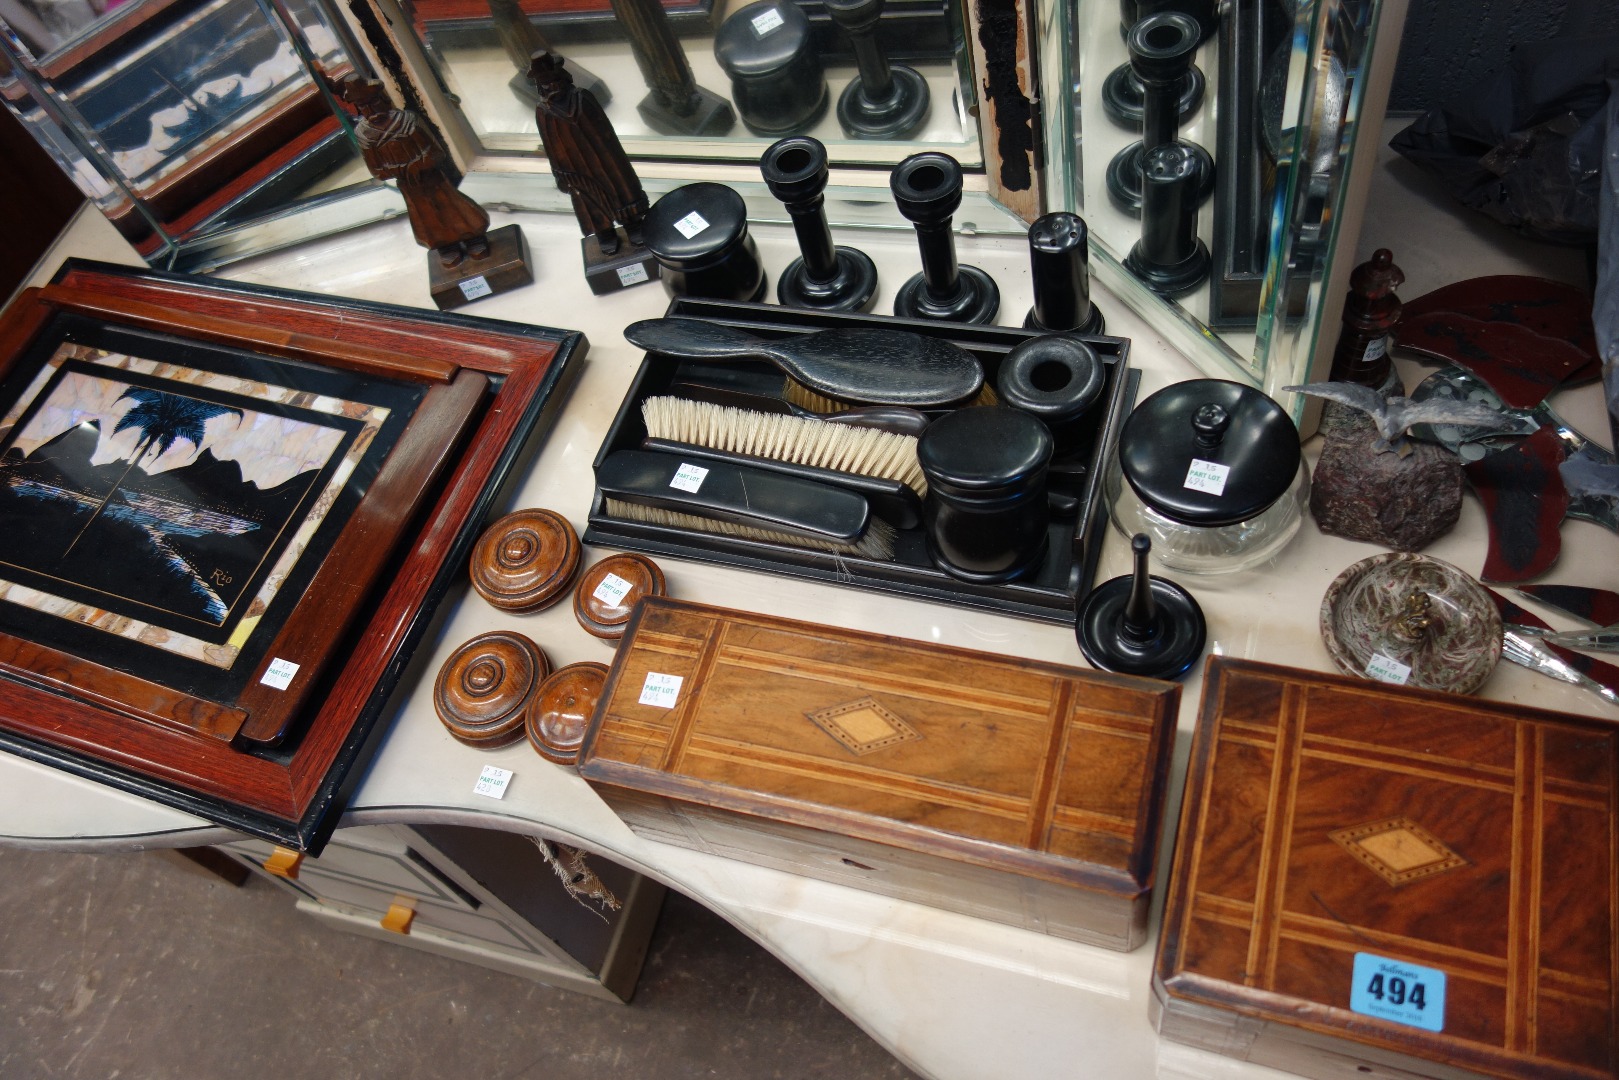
point(954, 997)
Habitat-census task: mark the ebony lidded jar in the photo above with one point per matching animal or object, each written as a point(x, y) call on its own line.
point(699, 235)
point(1212, 472)
point(986, 512)
point(777, 80)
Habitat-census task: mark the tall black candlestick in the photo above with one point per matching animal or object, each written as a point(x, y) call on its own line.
point(885, 101)
point(825, 277)
point(927, 189)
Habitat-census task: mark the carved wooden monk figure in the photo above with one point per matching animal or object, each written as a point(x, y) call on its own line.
point(398, 146)
point(586, 157)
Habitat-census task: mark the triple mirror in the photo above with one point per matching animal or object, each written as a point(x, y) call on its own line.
point(203, 153)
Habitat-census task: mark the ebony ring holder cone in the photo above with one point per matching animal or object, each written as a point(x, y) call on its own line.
point(1161, 49)
point(1139, 624)
point(1059, 264)
point(885, 101)
point(824, 277)
point(927, 190)
point(1169, 258)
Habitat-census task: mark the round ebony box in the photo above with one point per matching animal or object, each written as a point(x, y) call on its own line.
point(699, 235)
point(986, 511)
point(777, 81)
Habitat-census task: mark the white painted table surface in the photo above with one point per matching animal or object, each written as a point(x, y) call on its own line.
point(954, 997)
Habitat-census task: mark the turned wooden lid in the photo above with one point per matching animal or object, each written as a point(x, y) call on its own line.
point(608, 591)
point(561, 709)
point(482, 688)
point(525, 561)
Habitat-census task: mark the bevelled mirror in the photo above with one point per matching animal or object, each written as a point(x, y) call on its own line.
point(1235, 240)
point(758, 71)
point(189, 122)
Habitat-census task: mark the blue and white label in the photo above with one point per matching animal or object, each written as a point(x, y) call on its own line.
point(492, 782)
point(768, 23)
point(473, 288)
point(280, 673)
point(1387, 669)
point(692, 224)
point(688, 477)
point(1207, 476)
point(612, 590)
point(661, 691)
point(633, 274)
point(1397, 991)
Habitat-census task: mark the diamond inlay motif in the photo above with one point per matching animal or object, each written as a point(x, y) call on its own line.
point(1398, 850)
point(863, 726)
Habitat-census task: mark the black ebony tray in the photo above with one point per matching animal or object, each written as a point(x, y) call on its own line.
point(1074, 544)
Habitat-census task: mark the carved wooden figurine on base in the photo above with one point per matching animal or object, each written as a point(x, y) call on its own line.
point(468, 260)
point(590, 165)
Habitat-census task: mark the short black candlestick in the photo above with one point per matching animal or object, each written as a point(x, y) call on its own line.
point(825, 277)
point(1139, 624)
point(1161, 48)
point(927, 189)
point(1169, 258)
point(1059, 261)
point(885, 101)
point(1204, 12)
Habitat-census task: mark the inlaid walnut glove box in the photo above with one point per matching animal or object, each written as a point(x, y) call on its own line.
point(1022, 792)
point(1375, 881)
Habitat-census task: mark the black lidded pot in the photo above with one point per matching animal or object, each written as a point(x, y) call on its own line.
point(1212, 472)
point(777, 81)
point(986, 511)
point(699, 235)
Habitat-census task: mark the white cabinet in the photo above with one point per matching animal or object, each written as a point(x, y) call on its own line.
point(477, 895)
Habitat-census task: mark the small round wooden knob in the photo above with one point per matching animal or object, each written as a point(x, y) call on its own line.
point(526, 560)
point(607, 593)
point(561, 709)
point(483, 687)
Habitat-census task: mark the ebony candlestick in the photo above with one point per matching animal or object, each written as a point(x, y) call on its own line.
point(1139, 624)
point(1204, 12)
point(885, 101)
point(824, 277)
point(1161, 48)
point(927, 189)
point(1169, 258)
point(1059, 260)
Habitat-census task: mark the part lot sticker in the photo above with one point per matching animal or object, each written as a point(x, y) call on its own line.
point(1397, 991)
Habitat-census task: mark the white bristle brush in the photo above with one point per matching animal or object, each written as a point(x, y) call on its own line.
point(801, 440)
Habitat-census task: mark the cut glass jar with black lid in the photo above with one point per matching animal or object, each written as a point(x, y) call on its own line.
point(1212, 471)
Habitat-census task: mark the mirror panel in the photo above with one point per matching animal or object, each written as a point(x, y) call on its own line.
point(474, 50)
point(182, 119)
point(1278, 76)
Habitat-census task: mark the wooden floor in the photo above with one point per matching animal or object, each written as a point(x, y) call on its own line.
point(133, 967)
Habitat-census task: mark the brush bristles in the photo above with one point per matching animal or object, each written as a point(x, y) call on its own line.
point(805, 398)
point(800, 440)
point(877, 544)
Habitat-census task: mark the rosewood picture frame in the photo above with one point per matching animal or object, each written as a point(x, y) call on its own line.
point(281, 764)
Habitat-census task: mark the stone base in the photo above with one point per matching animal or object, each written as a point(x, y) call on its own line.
point(1404, 503)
